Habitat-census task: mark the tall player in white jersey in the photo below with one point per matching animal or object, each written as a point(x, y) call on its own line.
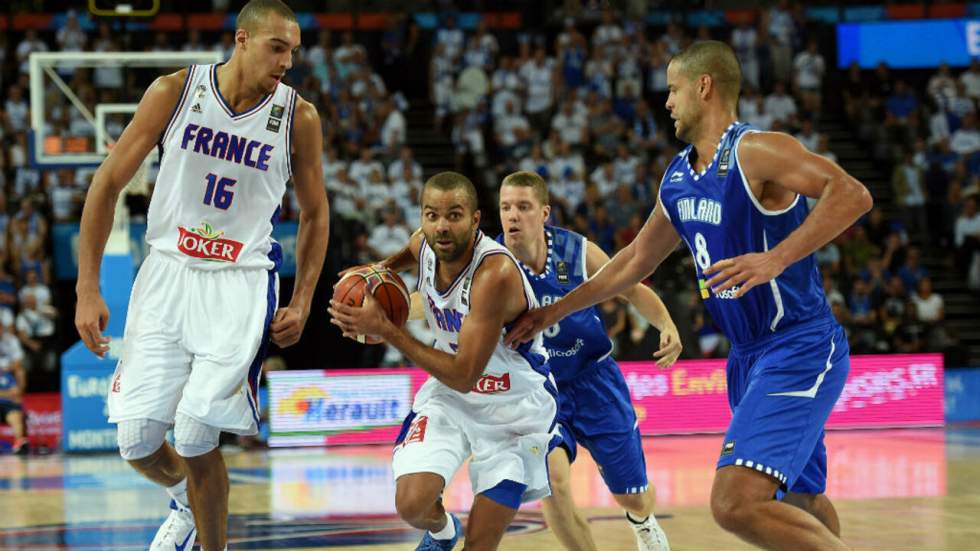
point(483, 401)
point(203, 306)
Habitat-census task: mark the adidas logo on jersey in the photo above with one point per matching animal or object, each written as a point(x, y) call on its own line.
point(196, 108)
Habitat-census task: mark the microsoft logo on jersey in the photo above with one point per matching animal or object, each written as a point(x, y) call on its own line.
point(205, 243)
point(704, 289)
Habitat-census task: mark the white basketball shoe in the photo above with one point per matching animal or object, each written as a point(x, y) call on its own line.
point(178, 532)
point(649, 535)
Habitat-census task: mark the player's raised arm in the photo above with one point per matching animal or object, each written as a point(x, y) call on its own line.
point(497, 279)
point(628, 267)
point(138, 139)
point(777, 168)
point(649, 305)
point(314, 223)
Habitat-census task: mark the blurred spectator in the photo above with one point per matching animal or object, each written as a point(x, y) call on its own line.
point(823, 148)
point(513, 133)
point(30, 44)
point(36, 330)
point(891, 313)
point(450, 37)
point(571, 124)
point(393, 129)
point(781, 106)
point(782, 33)
point(16, 109)
point(961, 104)
point(966, 139)
point(13, 386)
point(901, 103)
point(744, 38)
point(908, 186)
point(966, 235)
point(912, 271)
point(539, 79)
point(389, 237)
point(536, 163)
point(941, 85)
point(971, 79)
point(911, 334)
point(362, 168)
point(405, 160)
point(613, 314)
point(332, 164)
point(809, 70)
point(759, 116)
point(929, 305)
point(807, 135)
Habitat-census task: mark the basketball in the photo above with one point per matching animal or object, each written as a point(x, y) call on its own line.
point(386, 287)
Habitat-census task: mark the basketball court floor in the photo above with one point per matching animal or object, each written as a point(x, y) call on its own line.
point(895, 490)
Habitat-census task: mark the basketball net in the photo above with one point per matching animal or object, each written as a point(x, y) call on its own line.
point(118, 242)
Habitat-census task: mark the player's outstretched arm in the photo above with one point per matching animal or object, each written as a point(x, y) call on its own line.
point(628, 267)
point(136, 142)
point(478, 335)
point(649, 305)
point(314, 224)
point(778, 167)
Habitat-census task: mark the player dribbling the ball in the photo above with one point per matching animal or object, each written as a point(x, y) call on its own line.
point(484, 401)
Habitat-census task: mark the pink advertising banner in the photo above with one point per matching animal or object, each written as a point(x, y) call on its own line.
point(365, 406)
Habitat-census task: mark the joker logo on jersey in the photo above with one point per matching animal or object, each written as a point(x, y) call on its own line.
point(206, 243)
point(488, 384)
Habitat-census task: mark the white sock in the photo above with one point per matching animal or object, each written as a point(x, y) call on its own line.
point(179, 492)
point(448, 532)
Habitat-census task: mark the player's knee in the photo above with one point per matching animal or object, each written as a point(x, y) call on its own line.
point(640, 504)
point(140, 438)
point(193, 438)
point(412, 508)
point(729, 510)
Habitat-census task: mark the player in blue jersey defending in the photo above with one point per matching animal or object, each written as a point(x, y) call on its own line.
point(735, 196)
point(594, 401)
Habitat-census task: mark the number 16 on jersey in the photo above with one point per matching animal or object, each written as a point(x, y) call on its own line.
point(218, 193)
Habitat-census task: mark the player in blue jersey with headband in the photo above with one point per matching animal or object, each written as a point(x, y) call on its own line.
point(736, 197)
point(594, 402)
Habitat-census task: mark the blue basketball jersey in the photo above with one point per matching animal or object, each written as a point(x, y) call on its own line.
point(579, 341)
point(718, 217)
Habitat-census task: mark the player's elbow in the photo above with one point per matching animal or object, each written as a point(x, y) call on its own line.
point(860, 197)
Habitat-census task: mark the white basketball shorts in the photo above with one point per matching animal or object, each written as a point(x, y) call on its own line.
point(194, 343)
point(507, 441)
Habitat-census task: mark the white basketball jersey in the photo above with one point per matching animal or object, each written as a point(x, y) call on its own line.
point(222, 177)
point(509, 374)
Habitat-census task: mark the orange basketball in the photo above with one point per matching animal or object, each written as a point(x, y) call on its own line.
point(386, 287)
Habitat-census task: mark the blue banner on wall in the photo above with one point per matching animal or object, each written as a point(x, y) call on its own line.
point(66, 247)
point(915, 44)
point(962, 395)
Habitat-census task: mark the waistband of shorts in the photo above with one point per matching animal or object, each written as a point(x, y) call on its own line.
point(822, 322)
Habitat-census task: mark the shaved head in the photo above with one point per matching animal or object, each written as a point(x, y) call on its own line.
point(253, 14)
point(448, 181)
point(715, 59)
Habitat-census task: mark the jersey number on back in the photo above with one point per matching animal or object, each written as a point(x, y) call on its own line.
point(217, 194)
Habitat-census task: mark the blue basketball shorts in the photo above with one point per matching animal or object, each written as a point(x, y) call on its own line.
point(595, 411)
point(781, 391)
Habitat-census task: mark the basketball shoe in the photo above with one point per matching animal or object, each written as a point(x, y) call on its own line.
point(649, 535)
point(429, 543)
point(178, 532)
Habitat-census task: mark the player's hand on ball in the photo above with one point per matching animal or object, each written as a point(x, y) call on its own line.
point(287, 326)
point(670, 347)
point(528, 325)
point(745, 272)
point(354, 321)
